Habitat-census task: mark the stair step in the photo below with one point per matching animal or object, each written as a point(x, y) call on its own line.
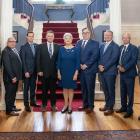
point(60, 35)
point(60, 41)
point(58, 92)
point(61, 30)
point(59, 24)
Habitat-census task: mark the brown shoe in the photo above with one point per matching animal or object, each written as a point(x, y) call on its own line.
point(121, 110)
point(12, 113)
point(108, 112)
point(102, 109)
point(81, 108)
point(88, 111)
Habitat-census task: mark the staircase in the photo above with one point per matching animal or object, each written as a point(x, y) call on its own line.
point(59, 30)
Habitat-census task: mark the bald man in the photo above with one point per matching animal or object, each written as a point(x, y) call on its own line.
point(127, 69)
point(12, 73)
point(108, 61)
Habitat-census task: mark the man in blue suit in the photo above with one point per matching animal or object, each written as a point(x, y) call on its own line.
point(109, 56)
point(127, 68)
point(89, 50)
point(28, 56)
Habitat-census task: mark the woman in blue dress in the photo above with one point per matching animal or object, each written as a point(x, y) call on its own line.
point(68, 66)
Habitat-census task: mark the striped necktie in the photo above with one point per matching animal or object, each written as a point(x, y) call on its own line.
point(16, 52)
point(50, 50)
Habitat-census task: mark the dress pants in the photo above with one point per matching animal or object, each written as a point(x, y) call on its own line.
point(29, 84)
point(108, 85)
point(88, 89)
point(49, 83)
point(10, 95)
point(127, 92)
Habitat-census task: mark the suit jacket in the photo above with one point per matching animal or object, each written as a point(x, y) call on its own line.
point(138, 61)
point(28, 59)
point(46, 64)
point(12, 65)
point(129, 61)
point(110, 58)
point(89, 55)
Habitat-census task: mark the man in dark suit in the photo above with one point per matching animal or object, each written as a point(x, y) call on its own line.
point(127, 69)
point(109, 57)
point(28, 57)
point(12, 73)
point(138, 63)
point(46, 68)
point(89, 66)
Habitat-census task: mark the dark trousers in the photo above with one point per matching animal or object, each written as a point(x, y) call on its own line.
point(108, 85)
point(127, 90)
point(49, 84)
point(88, 89)
point(10, 95)
point(29, 84)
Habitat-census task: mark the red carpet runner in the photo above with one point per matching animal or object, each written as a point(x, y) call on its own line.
point(60, 29)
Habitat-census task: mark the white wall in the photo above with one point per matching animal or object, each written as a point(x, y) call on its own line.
point(130, 11)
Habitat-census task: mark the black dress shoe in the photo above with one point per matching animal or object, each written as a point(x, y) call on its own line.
point(121, 110)
point(69, 111)
point(64, 110)
point(12, 113)
point(34, 104)
point(16, 109)
point(27, 108)
point(128, 115)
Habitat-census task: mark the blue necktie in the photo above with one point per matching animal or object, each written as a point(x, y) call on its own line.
point(105, 47)
point(33, 49)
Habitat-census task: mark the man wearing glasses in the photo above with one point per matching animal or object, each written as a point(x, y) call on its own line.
point(89, 50)
point(12, 73)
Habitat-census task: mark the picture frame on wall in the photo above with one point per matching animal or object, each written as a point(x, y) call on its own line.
point(15, 35)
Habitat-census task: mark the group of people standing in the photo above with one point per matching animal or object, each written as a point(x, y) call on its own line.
point(52, 63)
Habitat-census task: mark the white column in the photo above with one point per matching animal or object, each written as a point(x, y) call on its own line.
point(6, 23)
point(115, 26)
point(115, 19)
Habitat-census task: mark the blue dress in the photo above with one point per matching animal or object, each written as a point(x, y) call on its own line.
point(68, 63)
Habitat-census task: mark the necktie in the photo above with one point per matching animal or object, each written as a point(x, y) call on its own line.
point(83, 44)
point(33, 49)
point(122, 55)
point(105, 47)
point(16, 52)
point(50, 50)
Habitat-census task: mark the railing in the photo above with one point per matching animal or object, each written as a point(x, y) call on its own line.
point(89, 22)
point(31, 22)
point(95, 7)
point(25, 7)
